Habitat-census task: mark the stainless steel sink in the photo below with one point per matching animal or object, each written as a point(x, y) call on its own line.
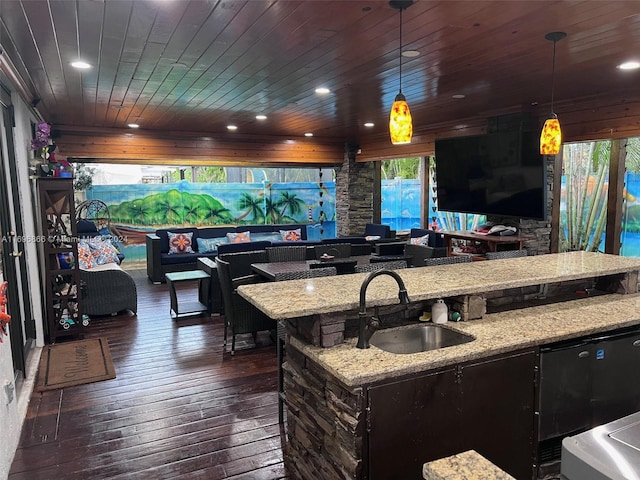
point(418, 338)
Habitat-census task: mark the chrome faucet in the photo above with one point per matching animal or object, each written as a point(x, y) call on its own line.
point(368, 326)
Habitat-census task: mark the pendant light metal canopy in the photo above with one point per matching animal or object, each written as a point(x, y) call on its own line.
point(400, 122)
point(551, 136)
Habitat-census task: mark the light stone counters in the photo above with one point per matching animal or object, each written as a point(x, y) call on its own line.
point(468, 465)
point(496, 333)
point(300, 298)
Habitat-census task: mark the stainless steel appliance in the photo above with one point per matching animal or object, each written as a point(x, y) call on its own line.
point(607, 452)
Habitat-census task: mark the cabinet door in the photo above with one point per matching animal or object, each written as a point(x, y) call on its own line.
point(497, 411)
point(615, 391)
point(412, 422)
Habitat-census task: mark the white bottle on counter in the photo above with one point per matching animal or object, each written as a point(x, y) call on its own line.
point(439, 312)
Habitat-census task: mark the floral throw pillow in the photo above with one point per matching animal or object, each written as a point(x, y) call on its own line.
point(239, 237)
point(180, 243)
point(424, 240)
point(291, 235)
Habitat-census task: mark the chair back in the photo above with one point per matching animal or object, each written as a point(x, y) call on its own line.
point(506, 254)
point(338, 250)
point(287, 253)
point(429, 262)
point(240, 262)
point(374, 267)
point(226, 287)
point(311, 273)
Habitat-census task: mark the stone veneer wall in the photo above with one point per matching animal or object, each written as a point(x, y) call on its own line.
point(325, 423)
point(354, 195)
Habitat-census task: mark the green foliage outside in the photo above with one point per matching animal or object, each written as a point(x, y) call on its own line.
point(406, 168)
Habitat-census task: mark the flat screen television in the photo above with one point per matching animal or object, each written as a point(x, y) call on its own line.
point(500, 174)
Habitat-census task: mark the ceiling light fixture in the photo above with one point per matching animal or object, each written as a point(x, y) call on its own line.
point(308, 134)
point(322, 90)
point(551, 136)
point(232, 127)
point(80, 64)
point(133, 125)
point(400, 123)
point(261, 117)
point(631, 65)
point(369, 124)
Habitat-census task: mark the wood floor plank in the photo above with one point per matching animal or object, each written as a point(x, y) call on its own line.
point(180, 406)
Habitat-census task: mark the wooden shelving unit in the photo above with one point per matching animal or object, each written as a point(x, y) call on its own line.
point(492, 243)
point(60, 274)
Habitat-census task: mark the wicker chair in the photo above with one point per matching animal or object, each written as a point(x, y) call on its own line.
point(429, 262)
point(293, 253)
point(338, 250)
point(506, 254)
point(281, 328)
point(311, 273)
point(374, 267)
point(239, 315)
point(107, 289)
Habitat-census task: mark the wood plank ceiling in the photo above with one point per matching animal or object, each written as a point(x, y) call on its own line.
point(203, 64)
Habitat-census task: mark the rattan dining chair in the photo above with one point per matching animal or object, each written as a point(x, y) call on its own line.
point(281, 328)
point(429, 262)
point(288, 253)
point(374, 267)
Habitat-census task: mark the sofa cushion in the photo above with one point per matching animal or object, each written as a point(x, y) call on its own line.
point(424, 240)
point(266, 236)
point(277, 228)
point(239, 237)
point(210, 245)
point(180, 243)
point(377, 229)
point(85, 258)
point(173, 259)
point(215, 232)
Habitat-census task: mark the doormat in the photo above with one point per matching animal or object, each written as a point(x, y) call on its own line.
point(74, 363)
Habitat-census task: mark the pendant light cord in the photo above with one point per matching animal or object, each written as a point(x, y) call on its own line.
point(401, 50)
point(553, 74)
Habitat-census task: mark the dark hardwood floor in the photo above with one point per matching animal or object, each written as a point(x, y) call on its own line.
point(179, 407)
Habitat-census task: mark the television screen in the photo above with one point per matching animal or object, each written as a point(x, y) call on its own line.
point(499, 174)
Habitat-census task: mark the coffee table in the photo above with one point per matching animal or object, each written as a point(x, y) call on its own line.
point(187, 308)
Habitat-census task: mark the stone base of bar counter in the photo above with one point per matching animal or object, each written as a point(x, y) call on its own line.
point(469, 465)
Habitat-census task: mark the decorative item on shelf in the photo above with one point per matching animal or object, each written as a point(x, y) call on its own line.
point(551, 136)
point(45, 163)
point(400, 122)
point(439, 312)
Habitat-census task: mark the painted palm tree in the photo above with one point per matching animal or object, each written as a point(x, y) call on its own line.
point(291, 202)
point(252, 205)
point(191, 206)
point(271, 211)
point(169, 208)
point(212, 212)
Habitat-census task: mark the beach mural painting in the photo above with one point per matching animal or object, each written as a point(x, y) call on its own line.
point(136, 210)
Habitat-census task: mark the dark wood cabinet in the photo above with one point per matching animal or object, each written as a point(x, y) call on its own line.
point(486, 405)
point(60, 274)
point(498, 398)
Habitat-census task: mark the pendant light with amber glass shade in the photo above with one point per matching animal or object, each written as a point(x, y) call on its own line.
point(400, 122)
point(551, 136)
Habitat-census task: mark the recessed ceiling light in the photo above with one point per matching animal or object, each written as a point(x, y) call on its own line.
point(231, 127)
point(80, 64)
point(322, 90)
point(134, 125)
point(369, 124)
point(261, 117)
point(458, 95)
point(117, 107)
point(410, 53)
point(178, 65)
point(632, 65)
point(308, 134)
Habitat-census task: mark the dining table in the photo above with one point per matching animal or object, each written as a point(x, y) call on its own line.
point(343, 265)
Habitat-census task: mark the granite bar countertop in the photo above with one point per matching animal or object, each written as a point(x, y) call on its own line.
point(494, 334)
point(300, 298)
point(468, 465)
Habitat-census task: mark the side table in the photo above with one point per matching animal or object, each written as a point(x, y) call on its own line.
point(188, 308)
